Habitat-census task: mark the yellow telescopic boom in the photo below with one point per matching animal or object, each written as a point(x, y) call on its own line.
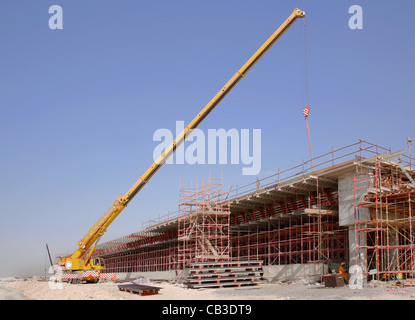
point(98, 229)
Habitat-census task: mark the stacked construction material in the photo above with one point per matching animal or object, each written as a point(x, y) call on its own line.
point(409, 283)
point(333, 280)
point(142, 290)
point(223, 274)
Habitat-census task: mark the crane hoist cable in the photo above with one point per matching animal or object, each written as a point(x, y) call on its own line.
point(305, 81)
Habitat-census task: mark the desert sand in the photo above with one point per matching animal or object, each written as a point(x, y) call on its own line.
point(38, 289)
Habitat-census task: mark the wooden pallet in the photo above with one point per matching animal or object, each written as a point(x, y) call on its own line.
point(140, 289)
point(223, 274)
point(333, 280)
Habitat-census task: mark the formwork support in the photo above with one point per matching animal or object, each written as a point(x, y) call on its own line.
point(296, 240)
point(385, 217)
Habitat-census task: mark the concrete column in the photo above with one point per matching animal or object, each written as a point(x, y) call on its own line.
point(347, 218)
point(357, 257)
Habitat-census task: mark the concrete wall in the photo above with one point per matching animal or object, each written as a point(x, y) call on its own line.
point(346, 197)
point(292, 272)
point(151, 275)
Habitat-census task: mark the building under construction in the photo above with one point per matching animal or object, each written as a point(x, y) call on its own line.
point(354, 204)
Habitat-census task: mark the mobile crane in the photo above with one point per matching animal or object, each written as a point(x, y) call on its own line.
point(89, 268)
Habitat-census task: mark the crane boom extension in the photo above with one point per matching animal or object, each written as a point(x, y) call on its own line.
point(98, 229)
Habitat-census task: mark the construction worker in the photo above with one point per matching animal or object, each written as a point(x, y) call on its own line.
point(343, 271)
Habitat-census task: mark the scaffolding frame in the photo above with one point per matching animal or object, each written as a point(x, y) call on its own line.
point(203, 223)
point(276, 220)
point(141, 252)
point(293, 231)
point(384, 218)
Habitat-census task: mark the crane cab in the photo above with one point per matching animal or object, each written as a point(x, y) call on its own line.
point(97, 263)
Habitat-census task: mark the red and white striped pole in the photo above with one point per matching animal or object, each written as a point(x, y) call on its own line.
point(306, 112)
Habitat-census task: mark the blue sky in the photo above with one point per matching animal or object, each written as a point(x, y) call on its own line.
point(79, 106)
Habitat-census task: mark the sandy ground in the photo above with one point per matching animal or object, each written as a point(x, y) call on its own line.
point(32, 289)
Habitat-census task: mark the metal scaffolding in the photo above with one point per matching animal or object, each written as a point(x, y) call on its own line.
point(203, 223)
point(299, 229)
point(384, 218)
point(291, 217)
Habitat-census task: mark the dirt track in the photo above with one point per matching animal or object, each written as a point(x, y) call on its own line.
point(31, 289)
